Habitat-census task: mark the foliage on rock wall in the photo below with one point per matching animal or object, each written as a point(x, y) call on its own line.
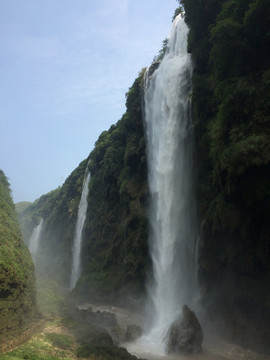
point(115, 246)
point(115, 234)
point(17, 281)
point(58, 209)
point(230, 44)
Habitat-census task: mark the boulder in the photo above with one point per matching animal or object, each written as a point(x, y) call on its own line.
point(92, 334)
point(118, 334)
point(185, 335)
point(133, 332)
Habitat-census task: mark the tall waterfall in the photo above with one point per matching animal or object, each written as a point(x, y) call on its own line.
point(76, 251)
point(34, 241)
point(172, 207)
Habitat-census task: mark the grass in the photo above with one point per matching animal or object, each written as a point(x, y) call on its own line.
point(50, 346)
point(54, 344)
point(50, 302)
point(61, 341)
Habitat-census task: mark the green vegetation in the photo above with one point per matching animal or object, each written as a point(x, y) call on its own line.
point(61, 341)
point(17, 281)
point(48, 346)
point(22, 206)
point(58, 208)
point(50, 301)
point(229, 41)
point(162, 51)
point(115, 245)
point(115, 234)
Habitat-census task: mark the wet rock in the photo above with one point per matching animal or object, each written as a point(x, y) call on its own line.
point(101, 338)
point(185, 335)
point(101, 318)
point(92, 334)
point(153, 68)
point(104, 352)
point(133, 332)
point(118, 334)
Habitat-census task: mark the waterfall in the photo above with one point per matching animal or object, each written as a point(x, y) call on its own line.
point(76, 250)
point(172, 206)
point(34, 241)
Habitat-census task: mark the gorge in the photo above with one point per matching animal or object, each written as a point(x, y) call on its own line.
point(187, 167)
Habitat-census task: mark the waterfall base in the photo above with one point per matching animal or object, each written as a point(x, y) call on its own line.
point(215, 349)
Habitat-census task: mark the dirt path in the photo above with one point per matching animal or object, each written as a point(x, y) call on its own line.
point(22, 338)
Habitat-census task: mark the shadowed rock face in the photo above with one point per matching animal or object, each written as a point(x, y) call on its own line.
point(113, 322)
point(185, 335)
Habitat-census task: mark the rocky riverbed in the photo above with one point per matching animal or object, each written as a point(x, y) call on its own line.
point(213, 348)
point(83, 338)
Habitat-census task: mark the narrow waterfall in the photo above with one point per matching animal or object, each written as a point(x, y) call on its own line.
point(34, 241)
point(76, 250)
point(172, 206)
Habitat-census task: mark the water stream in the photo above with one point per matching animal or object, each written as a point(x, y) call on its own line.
point(172, 210)
point(76, 250)
point(34, 241)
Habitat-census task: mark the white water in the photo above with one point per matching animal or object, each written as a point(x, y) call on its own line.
point(172, 220)
point(34, 241)
point(76, 250)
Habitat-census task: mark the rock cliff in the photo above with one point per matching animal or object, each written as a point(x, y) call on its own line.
point(17, 280)
point(229, 42)
point(114, 253)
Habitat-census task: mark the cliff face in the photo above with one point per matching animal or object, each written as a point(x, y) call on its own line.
point(114, 253)
point(17, 281)
point(58, 209)
point(229, 41)
point(115, 246)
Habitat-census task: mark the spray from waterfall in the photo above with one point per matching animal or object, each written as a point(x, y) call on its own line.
point(172, 206)
point(76, 250)
point(34, 241)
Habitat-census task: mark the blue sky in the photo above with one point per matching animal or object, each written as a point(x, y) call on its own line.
point(65, 68)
